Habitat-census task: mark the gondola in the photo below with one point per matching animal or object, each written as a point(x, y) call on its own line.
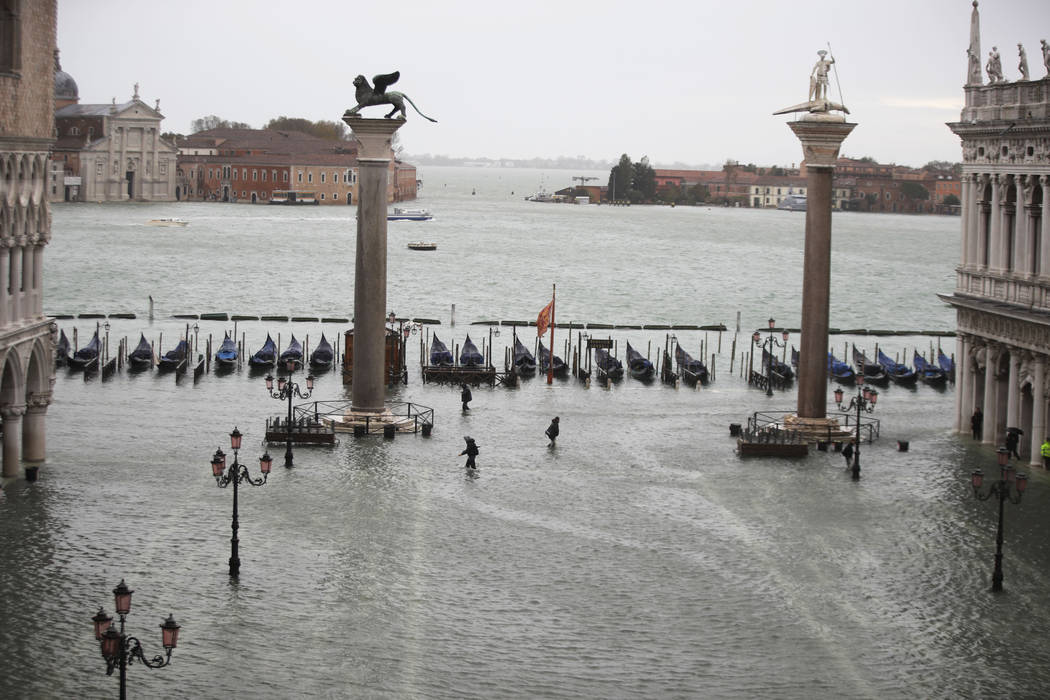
point(947, 364)
point(780, 370)
point(560, 368)
point(62, 350)
point(929, 374)
point(691, 370)
point(840, 371)
point(899, 374)
point(638, 365)
point(173, 358)
point(293, 353)
point(794, 357)
point(226, 355)
point(608, 364)
point(439, 354)
point(322, 356)
point(265, 356)
point(86, 356)
point(524, 362)
point(142, 356)
point(874, 373)
point(469, 355)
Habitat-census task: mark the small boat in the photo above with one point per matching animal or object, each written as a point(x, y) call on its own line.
point(947, 364)
point(402, 214)
point(560, 368)
point(439, 354)
point(639, 366)
point(266, 356)
point(293, 353)
point(524, 362)
point(794, 357)
point(62, 350)
point(928, 373)
point(608, 364)
point(793, 202)
point(293, 197)
point(142, 356)
point(469, 355)
point(168, 222)
point(840, 371)
point(423, 245)
point(779, 369)
point(691, 370)
point(86, 356)
point(899, 374)
point(322, 356)
point(174, 358)
point(226, 355)
point(874, 373)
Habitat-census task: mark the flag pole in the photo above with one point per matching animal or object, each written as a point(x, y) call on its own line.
point(550, 363)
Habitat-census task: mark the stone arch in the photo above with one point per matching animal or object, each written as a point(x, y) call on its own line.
point(12, 379)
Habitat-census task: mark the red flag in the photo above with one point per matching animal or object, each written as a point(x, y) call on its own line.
point(544, 319)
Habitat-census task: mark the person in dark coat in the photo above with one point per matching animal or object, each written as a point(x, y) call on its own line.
point(1011, 443)
point(465, 396)
point(552, 430)
point(847, 454)
point(977, 424)
point(471, 452)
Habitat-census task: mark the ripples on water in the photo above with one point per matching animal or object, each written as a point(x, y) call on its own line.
point(639, 558)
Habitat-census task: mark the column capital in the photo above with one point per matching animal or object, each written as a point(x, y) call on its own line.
point(374, 136)
point(821, 140)
point(39, 401)
point(12, 411)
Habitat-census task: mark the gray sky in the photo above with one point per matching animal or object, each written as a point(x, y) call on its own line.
point(694, 81)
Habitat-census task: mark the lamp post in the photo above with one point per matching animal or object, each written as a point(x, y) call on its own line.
point(286, 389)
point(1008, 477)
point(772, 342)
point(120, 649)
point(865, 400)
point(235, 475)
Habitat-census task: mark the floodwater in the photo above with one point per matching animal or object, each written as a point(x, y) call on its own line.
point(640, 557)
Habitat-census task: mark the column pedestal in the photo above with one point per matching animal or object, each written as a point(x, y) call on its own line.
point(34, 433)
point(12, 439)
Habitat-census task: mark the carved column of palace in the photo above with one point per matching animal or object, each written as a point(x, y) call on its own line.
point(991, 403)
point(368, 391)
point(122, 167)
point(821, 136)
point(981, 224)
point(1038, 409)
point(34, 434)
point(12, 415)
point(964, 211)
point(1044, 226)
point(16, 281)
point(963, 395)
point(995, 241)
point(5, 284)
point(1020, 263)
point(1013, 393)
point(38, 280)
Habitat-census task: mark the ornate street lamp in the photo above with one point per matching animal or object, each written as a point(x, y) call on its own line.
point(756, 339)
point(286, 389)
point(120, 649)
point(235, 475)
point(1008, 477)
point(865, 400)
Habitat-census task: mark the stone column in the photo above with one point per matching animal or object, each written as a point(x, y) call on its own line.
point(12, 452)
point(34, 435)
point(995, 228)
point(16, 283)
point(1038, 409)
point(1013, 394)
point(967, 243)
point(368, 392)
point(38, 281)
point(1044, 233)
point(5, 284)
point(991, 421)
point(963, 397)
point(982, 227)
point(821, 135)
point(1020, 251)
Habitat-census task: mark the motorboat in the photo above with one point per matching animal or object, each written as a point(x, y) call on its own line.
point(793, 202)
point(172, 221)
point(404, 214)
point(422, 245)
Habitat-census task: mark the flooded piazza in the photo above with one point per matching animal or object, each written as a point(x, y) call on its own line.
point(641, 557)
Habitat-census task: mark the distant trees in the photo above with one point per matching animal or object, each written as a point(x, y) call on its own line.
point(950, 200)
point(323, 129)
point(632, 181)
point(914, 191)
point(213, 122)
point(620, 179)
point(954, 168)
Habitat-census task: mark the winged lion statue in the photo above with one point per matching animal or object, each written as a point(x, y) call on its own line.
point(376, 94)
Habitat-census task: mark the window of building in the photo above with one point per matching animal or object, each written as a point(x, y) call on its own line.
point(299, 176)
point(255, 174)
point(1006, 151)
point(284, 176)
point(322, 179)
point(74, 131)
point(10, 36)
point(234, 174)
point(322, 194)
point(309, 177)
point(164, 167)
point(264, 175)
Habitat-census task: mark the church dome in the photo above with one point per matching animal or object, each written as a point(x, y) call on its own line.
point(65, 87)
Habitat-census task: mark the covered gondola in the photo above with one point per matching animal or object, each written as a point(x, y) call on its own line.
point(928, 373)
point(173, 358)
point(293, 353)
point(874, 373)
point(62, 350)
point(142, 356)
point(608, 364)
point(560, 367)
point(266, 356)
point(638, 365)
point(86, 356)
point(840, 371)
point(780, 370)
point(322, 357)
point(947, 364)
point(469, 355)
point(524, 361)
point(439, 354)
point(226, 356)
point(690, 369)
point(899, 374)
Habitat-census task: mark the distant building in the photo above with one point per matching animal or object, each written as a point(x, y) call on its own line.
point(27, 337)
point(771, 190)
point(1002, 288)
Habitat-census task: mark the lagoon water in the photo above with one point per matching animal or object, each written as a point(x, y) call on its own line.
point(639, 558)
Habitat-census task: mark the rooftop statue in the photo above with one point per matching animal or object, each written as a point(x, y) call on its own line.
point(994, 67)
point(1046, 55)
point(368, 96)
point(818, 89)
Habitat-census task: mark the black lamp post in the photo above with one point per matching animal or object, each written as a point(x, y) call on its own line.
point(235, 475)
point(865, 400)
point(773, 343)
point(120, 649)
point(1008, 477)
point(286, 389)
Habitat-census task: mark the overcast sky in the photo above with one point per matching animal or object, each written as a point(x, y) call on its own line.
point(693, 81)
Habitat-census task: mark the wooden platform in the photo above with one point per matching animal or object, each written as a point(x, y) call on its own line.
point(751, 448)
point(459, 375)
point(303, 433)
